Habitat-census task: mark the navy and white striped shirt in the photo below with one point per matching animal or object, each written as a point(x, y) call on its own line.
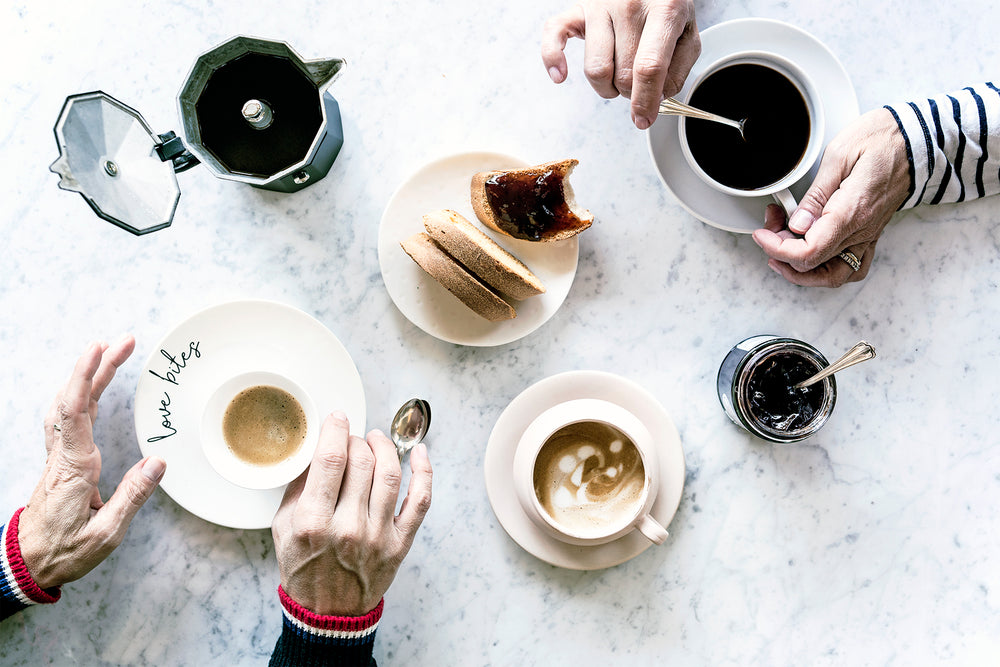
point(952, 144)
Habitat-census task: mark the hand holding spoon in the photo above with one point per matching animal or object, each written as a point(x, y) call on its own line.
point(860, 352)
point(410, 425)
point(672, 107)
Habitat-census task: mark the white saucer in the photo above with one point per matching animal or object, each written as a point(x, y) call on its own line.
point(524, 409)
point(840, 104)
point(446, 183)
point(231, 339)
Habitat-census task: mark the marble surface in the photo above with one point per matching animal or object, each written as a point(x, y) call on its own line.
point(873, 543)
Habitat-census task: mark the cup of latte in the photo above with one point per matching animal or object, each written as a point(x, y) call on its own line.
point(782, 136)
point(586, 472)
point(259, 430)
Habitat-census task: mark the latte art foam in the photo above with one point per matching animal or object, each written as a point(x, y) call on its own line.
point(589, 476)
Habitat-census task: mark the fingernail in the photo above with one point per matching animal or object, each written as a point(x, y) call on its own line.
point(339, 415)
point(774, 267)
point(377, 433)
point(154, 468)
point(801, 221)
point(641, 123)
point(755, 240)
point(555, 74)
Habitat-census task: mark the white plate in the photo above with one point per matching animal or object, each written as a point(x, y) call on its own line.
point(446, 183)
point(231, 339)
point(840, 104)
point(499, 461)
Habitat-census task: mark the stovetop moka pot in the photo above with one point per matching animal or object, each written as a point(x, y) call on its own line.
point(252, 110)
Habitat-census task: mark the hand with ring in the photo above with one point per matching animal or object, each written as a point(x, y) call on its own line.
point(863, 179)
point(66, 529)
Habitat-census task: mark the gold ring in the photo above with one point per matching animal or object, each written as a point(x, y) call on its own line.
point(851, 259)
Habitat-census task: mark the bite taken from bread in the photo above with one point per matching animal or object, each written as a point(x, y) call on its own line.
point(472, 266)
point(532, 204)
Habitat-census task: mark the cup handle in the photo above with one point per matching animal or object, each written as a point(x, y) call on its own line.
point(651, 529)
point(786, 200)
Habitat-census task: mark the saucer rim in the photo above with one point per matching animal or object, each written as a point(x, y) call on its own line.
point(502, 444)
point(260, 504)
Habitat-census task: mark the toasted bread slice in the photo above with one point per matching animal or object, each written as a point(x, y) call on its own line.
point(481, 255)
point(443, 268)
point(533, 204)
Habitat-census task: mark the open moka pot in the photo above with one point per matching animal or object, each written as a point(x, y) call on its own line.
point(251, 109)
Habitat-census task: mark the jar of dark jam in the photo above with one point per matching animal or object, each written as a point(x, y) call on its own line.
point(756, 388)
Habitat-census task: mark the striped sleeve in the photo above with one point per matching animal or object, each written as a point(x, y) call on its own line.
point(311, 639)
point(17, 588)
point(952, 144)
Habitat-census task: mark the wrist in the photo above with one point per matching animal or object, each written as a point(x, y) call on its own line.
point(16, 571)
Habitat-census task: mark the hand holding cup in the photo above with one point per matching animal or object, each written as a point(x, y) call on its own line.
point(862, 181)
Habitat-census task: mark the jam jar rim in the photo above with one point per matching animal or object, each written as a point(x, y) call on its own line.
point(741, 379)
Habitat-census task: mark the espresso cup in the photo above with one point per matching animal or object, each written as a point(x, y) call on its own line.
point(784, 129)
point(586, 472)
point(253, 436)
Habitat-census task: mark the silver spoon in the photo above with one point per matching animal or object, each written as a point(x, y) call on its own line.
point(860, 352)
point(672, 107)
point(410, 425)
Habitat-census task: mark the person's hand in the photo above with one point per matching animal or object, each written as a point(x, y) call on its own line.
point(336, 534)
point(66, 530)
point(863, 178)
point(642, 49)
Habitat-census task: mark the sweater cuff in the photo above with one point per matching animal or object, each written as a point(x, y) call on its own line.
point(952, 145)
point(17, 587)
point(308, 638)
point(348, 629)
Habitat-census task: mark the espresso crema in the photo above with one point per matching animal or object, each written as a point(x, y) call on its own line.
point(264, 425)
point(589, 477)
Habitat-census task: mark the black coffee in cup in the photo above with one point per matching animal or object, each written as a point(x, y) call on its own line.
point(776, 132)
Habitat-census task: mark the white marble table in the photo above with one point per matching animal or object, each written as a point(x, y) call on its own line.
point(874, 543)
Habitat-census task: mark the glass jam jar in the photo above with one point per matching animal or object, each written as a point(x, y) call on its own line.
point(755, 386)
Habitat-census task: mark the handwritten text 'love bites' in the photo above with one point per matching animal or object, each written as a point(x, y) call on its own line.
point(174, 367)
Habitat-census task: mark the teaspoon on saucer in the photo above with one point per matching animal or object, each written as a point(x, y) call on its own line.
point(860, 352)
point(410, 425)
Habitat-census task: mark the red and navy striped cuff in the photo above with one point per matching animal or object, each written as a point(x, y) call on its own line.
point(347, 630)
point(308, 638)
point(17, 587)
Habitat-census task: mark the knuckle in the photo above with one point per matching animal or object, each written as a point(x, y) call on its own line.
point(363, 459)
point(136, 493)
point(332, 463)
point(633, 7)
point(422, 502)
point(553, 24)
point(672, 85)
point(600, 71)
point(392, 478)
point(351, 541)
point(649, 70)
point(313, 528)
point(623, 82)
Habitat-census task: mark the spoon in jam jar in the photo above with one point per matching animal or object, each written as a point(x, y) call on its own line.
point(672, 107)
point(860, 352)
point(410, 425)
